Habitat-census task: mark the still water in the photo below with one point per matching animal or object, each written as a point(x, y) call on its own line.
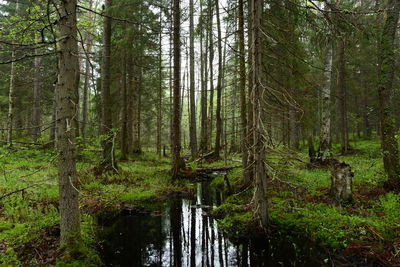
point(183, 235)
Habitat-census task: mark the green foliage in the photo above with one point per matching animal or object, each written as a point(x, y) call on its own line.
point(9, 258)
point(141, 180)
point(84, 252)
point(310, 211)
point(234, 220)
point(391, 207)
point(192, 165)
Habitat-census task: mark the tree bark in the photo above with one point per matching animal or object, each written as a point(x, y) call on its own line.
point(211, 70)
point(107, 143)
point(53, 128)
point(85, 100)
point(66, 110)
point(242, 85)
point(342, 183)
point(260, 171)
point(35, 121)
point(385, 89)
point(249, 169)
point(124, 109)
point(160, 89)
point(217, 147)
point(10, 115)
point(176, 122)
point(130, 84)
point(204, 97)
point(324, 151)
point(136, 148)
point(344, 135)
point(193, 128)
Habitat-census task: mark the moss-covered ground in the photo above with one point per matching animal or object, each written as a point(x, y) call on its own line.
point(299, 203)
point(29, 219)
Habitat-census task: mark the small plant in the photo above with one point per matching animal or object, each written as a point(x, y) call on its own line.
point(192, 165)
point(391, 207)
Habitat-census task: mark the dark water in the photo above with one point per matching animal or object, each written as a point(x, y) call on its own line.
point(184, 236)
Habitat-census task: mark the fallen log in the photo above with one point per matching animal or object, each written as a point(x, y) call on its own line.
point(204, 172)
point(205, 157)
point(217, 169)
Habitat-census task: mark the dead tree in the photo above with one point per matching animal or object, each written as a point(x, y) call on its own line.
point(342, 180)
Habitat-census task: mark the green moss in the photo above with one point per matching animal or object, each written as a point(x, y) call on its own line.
point(391, 207)
point(83, 253)
point(135, 197)
point(305, 209)
point(142, 179)
point(234, 220)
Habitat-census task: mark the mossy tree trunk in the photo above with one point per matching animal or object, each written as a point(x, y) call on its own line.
point(324, 150)
point(193, 128)
point(66, 110)
point(218, 125)
point(176, 121)
point(385, 89)
point(108, 161)
point(260, 171)
point(242, 86)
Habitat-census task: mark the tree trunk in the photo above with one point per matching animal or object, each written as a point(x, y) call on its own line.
point(176, 123)
point(76, 95)
point(324, 151)
point(242, 85)
point(217, 147)
point(85, 100)
point(130, 84)
point(204, 97)
point(260, 171)
point(136, 113)
point(385, 89)
point(66, 110)
point(342, 183)
point(193, 128)
point(108, 135)
point(171, 83)
point(10, 116)
point(293, 129)
point(124, 110)
point(160, 89)
point(344, 135)
point(211, 67)
point(35, 122)
point(53, 128)
point(249, 169)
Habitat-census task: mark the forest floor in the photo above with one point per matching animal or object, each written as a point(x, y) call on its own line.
point(29, 218)
point(369, 228)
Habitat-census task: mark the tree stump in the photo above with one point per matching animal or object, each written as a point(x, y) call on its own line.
point(342, 179)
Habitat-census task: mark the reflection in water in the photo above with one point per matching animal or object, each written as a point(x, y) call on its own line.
point(184, 236)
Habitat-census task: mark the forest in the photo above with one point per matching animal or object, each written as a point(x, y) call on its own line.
point(199, 133)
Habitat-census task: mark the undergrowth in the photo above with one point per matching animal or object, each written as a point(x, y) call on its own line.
point(299, 201)
point(32, 214)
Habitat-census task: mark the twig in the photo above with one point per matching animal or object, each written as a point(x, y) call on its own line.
point(17, 191)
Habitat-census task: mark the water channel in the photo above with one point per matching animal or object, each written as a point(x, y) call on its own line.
point(183, 235)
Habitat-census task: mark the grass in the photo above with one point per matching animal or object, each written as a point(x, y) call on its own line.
point(306, 209)
point(299, 200)
point(31, 215)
